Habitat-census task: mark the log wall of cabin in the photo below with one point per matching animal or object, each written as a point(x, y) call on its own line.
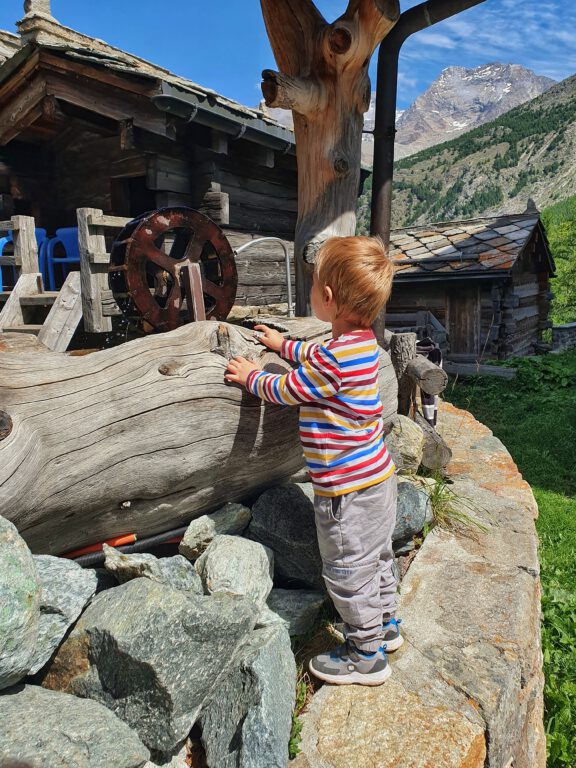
point(526, 302)
point(469, 310)
point(261, 199)
point(412, 297)
point(248, 190)
point(29, 170)
point(261, 270)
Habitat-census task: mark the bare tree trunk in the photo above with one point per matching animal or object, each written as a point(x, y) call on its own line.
point(324, 81)
point(140, 438)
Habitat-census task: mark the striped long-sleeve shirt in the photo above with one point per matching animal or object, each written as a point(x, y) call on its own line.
point(336, 387)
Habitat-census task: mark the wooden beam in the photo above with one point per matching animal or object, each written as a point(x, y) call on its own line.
point(475, 369)
point(219, 142)
point(22, 110)
point(426, 375)
point(25, 245)
point(20, 79)
point(94, 277)
point(141, 85)
point(436, 454)
point(63, 318)
point(127, 139)
point(193, 287)
point(128, 167)
point(11, 314)
point(95, 97)
point(402, 351)
point(99, 219)
point(168, 174)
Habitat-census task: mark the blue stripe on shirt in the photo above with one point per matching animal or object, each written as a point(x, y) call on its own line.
point(348, 458)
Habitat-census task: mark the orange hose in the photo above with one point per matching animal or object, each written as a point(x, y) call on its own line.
point(128, 538)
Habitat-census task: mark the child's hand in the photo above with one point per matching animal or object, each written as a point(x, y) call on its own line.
point(238, 370)
point(269, 337)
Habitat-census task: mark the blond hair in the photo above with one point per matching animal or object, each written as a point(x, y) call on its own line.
point(358, 271)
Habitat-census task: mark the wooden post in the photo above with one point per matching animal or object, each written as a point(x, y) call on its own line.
point(192, 278)
point(93, 274)
point(25, 246)
point(436, 454)
point(402, 351)
point(427, 375)
point(324, 81)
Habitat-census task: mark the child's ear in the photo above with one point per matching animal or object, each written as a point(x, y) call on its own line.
point(328, 296)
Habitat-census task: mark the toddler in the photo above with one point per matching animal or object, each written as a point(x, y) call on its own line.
point(341, 430)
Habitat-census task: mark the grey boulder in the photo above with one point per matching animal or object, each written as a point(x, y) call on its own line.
point(411, 514)
point(283, 520)
point(405, 442)
point(66, 588)
point(152, 655)
point(231, 519)
point(236, 566)
point(19, 606)
point(176, 572)
point(247, 722)
point(298, 608)
point(49, 729)
point(180, 760)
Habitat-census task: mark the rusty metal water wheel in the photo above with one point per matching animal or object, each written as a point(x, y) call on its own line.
point(149, 271)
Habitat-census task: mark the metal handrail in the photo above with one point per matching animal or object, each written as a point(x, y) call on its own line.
point(286, 260)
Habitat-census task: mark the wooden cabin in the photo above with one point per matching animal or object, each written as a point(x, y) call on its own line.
point(85, 124)
point(486, 280)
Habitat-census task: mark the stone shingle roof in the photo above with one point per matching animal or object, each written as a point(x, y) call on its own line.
point(9, 45)
point(45, 32)
point(460, 247)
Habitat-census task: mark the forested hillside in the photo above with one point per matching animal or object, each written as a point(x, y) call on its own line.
point(560, 223)
point(527, 152)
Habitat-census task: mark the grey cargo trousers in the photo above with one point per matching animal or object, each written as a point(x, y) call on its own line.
point(355, 541)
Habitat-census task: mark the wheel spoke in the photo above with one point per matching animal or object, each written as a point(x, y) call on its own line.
point(194, 250)
point(216, 291)
point(158, 257)
point(151, 277)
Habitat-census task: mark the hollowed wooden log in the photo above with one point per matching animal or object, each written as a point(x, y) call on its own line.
point(140, 438)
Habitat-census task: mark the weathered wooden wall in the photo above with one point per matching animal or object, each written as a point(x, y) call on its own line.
point(484, 319)
point(240, 193)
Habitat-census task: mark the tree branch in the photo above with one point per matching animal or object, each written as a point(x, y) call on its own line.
point(297, 93)
point(372, 20)
point(292, 27)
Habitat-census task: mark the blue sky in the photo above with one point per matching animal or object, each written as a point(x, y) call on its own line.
point(222, 44)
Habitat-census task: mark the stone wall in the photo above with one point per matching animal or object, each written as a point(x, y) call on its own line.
point(466, 689)
point(564, 337)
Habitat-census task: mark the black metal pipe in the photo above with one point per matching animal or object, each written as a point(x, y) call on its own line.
point(97, 558)
point(413, 20)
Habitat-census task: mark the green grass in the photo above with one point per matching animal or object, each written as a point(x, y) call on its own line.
point(535, 417)
point(560, 223)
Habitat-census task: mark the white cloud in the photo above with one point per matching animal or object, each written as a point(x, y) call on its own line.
point(538, 34)
point(436, 39)
point(405, 81)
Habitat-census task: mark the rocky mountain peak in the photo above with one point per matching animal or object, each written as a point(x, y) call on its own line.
point(461, 99)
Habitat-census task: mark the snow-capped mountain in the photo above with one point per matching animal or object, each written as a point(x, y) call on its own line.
point(457, 101)
point(461, 99)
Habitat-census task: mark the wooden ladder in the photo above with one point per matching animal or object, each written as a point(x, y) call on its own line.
point(27, 300)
